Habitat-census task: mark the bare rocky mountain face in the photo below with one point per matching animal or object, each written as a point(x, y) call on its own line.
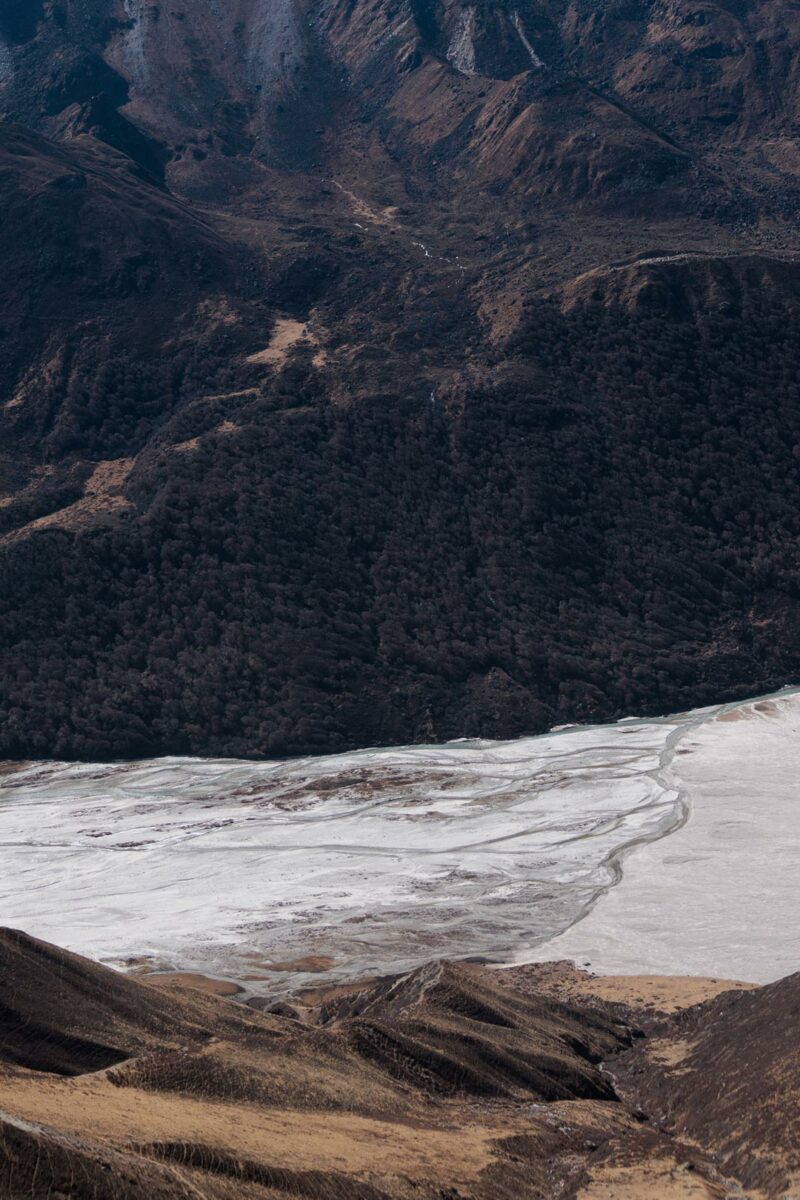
point(378, 372)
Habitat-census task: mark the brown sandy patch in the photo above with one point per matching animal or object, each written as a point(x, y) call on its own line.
point(329, 993)
point(385, 217)
point(39, 378)
point(286, 334)
point(10, 768)
point(669, 1052)
point(251, 391)
point(193, 443)
point(766, 708)
point(664, 994)
point(102, 497)
point(200, 983)
point(663, 1179)
point(315, 963)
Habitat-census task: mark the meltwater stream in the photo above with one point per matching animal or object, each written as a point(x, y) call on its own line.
point(350, 864)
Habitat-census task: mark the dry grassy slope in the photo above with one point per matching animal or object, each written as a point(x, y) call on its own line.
point(440, 1032)
point(471, 1083)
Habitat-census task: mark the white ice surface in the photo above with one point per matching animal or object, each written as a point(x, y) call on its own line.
point(721, 896)
point(461, 51)
point(6, 62)
point(382, 859)
point(378, 859)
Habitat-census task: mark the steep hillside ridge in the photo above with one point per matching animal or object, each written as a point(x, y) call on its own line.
point(450, 1080)
point(454, 1029)
point(116, 289)
point(683, 286)
point(65, 1015)
point(91, 244)
point(733, 1083)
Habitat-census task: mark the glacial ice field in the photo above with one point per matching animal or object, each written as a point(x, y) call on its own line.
point(374, 861)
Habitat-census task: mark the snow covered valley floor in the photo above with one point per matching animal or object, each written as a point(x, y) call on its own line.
point(666, 846)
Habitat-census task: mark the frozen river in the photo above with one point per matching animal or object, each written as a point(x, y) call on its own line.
point(721, 896)
point(556, 846)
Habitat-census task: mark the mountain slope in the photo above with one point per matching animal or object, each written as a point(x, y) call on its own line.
point(455, 1079)
point(391, 372)
point(733, 1082)
point(94, 251)
point(274, 572)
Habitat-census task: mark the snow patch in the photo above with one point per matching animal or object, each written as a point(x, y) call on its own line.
point(551, 846)
point(523, 37)
point(461, 51)
point(6, 62)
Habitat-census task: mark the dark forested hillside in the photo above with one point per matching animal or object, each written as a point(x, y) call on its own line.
point(606, 524)
point(398, 372)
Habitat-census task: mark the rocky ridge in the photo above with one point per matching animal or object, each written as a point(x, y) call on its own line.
point(454, 1080)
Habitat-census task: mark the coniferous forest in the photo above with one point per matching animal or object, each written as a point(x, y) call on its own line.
point(608, 525)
